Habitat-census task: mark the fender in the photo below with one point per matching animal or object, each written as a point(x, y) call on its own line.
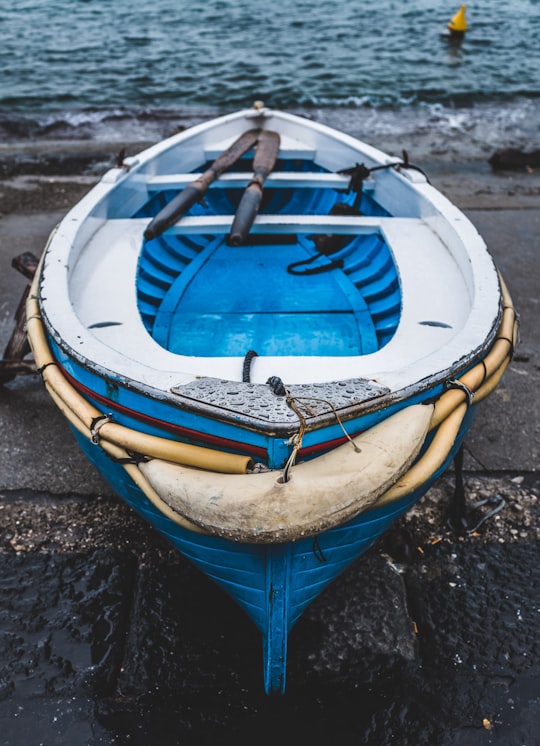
point(320, 494)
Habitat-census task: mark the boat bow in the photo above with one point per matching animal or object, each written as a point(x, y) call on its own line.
point(320, 494)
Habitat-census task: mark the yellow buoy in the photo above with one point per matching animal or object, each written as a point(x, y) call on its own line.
point(458, 24)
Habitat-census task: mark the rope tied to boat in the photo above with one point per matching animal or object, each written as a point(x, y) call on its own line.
point(46, 365)
point(459, 519)
point(317, 550)
point(131, 458)
point(279, 388)
point(497, 501)
point(511, 343)
point(359, 172)
point(327, 244)
point(331, 244)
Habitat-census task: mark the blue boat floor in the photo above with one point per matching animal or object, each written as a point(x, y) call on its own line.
point(243, 298)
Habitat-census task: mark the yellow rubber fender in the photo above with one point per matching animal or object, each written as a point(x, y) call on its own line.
point(136, 475)
point(451, 407)
point(431, 461)
point(483, 378)
point(124, 437)
point(320, 494)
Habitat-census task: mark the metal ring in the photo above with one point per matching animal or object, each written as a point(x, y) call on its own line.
point(457, 384)
point(96, 425)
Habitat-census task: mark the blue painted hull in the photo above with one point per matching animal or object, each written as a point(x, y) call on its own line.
point(273, 583)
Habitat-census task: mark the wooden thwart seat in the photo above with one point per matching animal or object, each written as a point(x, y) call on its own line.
point(239, 180)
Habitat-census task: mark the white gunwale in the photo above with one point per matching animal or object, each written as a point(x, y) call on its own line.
point(100, 251)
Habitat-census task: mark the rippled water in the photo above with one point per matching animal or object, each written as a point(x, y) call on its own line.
point(75, 53)
point(122, 68)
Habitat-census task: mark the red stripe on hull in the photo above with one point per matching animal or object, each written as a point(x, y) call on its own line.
point(207, 439)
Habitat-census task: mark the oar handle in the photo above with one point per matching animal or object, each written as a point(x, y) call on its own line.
point(173, 211)
point(263, 163)
point(246, 213)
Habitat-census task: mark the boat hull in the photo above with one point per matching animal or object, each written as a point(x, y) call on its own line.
point(272, 583)
point(283, 351)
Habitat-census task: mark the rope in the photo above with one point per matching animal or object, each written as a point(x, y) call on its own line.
point(246, 368)
point(458, 516)
point(297, 439)
point(360, 171)
point(46, 365)
point(317, 550)
point(335, 264)
point(499, 505)
point(327, 244)
point(131, 458)
point(336, 415)
point(279, 388)
point(511, 343)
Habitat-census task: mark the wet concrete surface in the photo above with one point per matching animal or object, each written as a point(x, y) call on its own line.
point(110, 637)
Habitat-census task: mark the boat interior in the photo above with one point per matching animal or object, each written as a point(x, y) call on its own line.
point(327, 276)
point(278, 293)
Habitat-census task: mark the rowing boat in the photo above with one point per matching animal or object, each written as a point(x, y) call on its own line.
point(271, 339)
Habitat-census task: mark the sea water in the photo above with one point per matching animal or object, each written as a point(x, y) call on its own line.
point(133, 68)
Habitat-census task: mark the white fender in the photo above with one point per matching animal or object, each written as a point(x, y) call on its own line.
point(320, 494)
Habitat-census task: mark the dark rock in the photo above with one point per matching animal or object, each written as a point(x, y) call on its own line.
point(357, 631)
point(513, 159)
point(62, 621)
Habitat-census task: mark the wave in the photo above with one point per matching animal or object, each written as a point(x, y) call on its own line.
point(427, 131)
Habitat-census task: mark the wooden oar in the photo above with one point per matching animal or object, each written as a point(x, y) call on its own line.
point(195, 191)
point(263, 163)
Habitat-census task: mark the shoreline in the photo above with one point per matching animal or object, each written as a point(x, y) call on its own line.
point(55, 175)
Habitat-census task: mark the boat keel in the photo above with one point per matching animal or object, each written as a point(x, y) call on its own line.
point(275, 637)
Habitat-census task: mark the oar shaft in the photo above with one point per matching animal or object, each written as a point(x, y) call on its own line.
point(195, 191)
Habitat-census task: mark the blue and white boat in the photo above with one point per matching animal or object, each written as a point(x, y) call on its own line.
point(270, 338)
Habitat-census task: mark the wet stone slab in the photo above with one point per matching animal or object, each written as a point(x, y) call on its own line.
point(479, 638)
point(62, 621)
point(108, 636)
